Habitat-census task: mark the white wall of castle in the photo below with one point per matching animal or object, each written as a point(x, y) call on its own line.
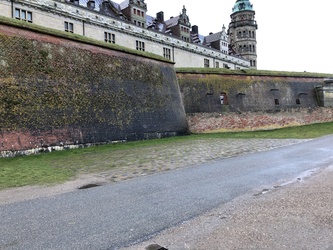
point(92, 24)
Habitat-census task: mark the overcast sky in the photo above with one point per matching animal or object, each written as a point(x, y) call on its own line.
point(292, 35)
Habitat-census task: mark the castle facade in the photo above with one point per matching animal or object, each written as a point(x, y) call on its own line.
point(127, 24)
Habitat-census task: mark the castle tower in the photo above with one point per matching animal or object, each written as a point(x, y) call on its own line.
point(242, 31)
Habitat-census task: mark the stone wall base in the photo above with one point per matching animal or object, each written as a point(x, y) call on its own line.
point(252, 121)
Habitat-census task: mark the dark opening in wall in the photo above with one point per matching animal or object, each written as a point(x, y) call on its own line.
point(277, 102)
point(298, 101)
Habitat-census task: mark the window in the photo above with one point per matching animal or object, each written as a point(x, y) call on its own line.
point(69, 27)
point(135, 11)
point(109, 37)
point(167, 53)
point(277, 102)
point(217, 65)
point(206, 63)
point(140, 45)
point(23, 15)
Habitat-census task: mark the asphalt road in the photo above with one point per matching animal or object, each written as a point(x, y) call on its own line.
point(117, 215)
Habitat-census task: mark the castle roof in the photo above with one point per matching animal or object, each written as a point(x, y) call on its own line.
point(172, 22)
point(242, 5)
point(213, 37)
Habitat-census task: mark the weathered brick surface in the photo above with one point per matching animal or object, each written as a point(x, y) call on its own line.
point(55, 91)
point(217, 122)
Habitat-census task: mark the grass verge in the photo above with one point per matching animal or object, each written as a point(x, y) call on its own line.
point(61, 166)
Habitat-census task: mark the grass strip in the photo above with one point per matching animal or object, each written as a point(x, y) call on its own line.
point(61, 166)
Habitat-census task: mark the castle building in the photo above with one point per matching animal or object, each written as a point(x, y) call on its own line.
point(127, 24)
point(242, 32)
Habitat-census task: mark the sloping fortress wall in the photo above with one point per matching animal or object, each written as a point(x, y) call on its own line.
point(56, 91)
point(219, 100)
point(61, 90)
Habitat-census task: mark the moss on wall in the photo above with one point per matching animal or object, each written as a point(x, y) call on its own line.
point(246, 92)
point(48, 86)
point(252, 72)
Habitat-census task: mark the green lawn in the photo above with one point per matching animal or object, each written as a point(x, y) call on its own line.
point(61, 166)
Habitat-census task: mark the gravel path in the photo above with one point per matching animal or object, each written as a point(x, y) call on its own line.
point(297, 216)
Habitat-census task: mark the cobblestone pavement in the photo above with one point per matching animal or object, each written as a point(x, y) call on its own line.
point(148, 160)
point(120, 165)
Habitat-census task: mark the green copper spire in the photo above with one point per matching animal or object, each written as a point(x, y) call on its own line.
point(242, 5)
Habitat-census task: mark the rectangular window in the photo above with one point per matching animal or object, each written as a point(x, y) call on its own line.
point(140, 45)
point(23, 15)
point(135, 11)
point(206, 63)
point(69, 27)
point(167, 53)
point(217, 65)
point(109, 37)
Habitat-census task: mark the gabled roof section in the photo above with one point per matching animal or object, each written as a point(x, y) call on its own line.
point(172, 22)
point(213, 37)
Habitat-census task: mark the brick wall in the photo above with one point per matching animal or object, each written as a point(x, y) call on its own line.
point(250, 121)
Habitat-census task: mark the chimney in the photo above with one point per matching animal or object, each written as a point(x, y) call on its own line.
point(195, 29)
point(105, 4)
point(160, 16)
point(91, 4)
